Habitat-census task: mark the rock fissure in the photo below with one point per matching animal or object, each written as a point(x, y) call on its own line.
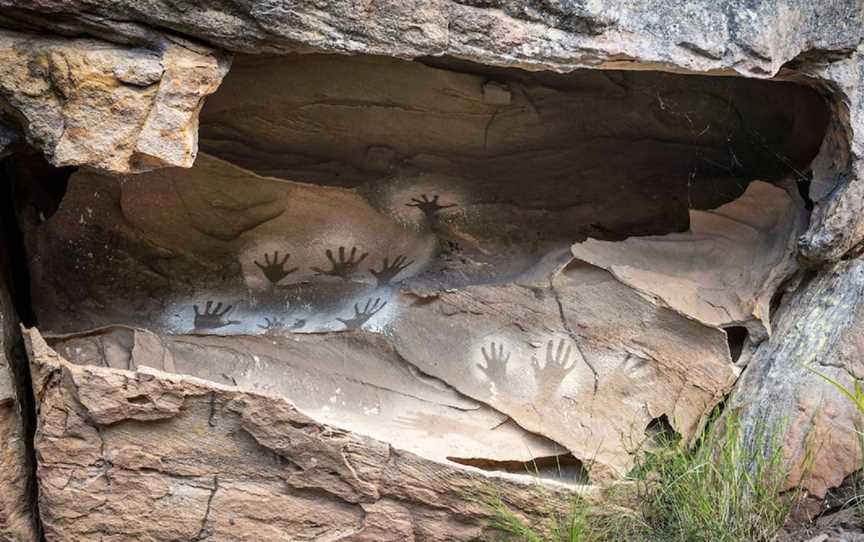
point(573, 334)
point(202, 533)
point(22, 520)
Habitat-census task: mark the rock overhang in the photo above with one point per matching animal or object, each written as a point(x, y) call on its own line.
point(532, 303)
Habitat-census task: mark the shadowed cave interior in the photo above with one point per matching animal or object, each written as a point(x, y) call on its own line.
point(518, 272)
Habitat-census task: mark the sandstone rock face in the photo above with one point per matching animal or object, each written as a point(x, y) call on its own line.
point(819, 42)
point(152, 456)
point(725, 269)
point(386, 286)
point(837, 226)
point(404, 281)
point(16, 512)
point(91, 103)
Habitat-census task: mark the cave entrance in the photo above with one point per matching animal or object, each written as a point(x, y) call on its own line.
point(464, 261)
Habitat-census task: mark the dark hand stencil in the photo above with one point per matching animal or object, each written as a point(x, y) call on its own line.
point(343, 267)
point(389, 271)
point(275, 270)
point(213, 317)
point(362, 316)
point(430, 207)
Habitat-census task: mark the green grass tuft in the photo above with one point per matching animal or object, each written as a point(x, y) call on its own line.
point(719, 490)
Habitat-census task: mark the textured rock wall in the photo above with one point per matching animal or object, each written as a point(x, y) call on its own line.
point(88, 102)
point(367, 302)
point(16, 469)
point(156, 457)
point(753, 39)
point(822, 325)
point(819, 41)
point(434, 292)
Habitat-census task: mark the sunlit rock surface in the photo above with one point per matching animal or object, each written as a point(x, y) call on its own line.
point(86, 102)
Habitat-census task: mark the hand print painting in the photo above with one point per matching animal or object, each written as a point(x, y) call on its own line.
point(427, 269)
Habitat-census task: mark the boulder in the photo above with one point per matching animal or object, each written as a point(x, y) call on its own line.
point(85, 102)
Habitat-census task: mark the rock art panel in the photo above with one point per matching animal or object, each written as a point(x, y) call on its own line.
point(409, 283)
point(218, 249)
point(578, 357)
point(122, 451)
point(480, 264)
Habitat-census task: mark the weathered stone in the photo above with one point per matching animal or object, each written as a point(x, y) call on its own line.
point(473, 333)
point(122, 452)
point(822, 330)
point(725, 269)
point(818, 41)
point(573, 355)
point(754, 39)
point(215, 261)
point(16, 469)
point(389, 118)
point(378, 393)
point(92, 103)
point(837, 224)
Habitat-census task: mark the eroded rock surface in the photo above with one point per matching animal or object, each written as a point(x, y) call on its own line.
point(407, 281)
point(816, 43)
point(156, 456)
point(756, 39)
point(725, 269)
point(16, 511)
point(837, 226)
point(92, 103)
point(780, 392)
point(381, 273)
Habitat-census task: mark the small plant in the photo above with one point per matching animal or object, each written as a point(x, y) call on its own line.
point(577, 523)
point(722, 489)
point(856, 395)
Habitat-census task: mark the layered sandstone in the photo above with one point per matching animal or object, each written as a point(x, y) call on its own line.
point(448, 263)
